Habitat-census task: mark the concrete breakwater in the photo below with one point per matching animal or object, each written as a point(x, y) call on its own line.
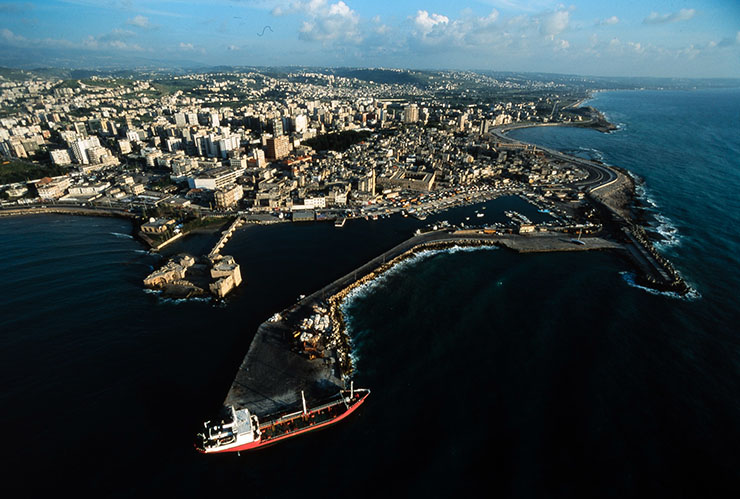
point(306, 347)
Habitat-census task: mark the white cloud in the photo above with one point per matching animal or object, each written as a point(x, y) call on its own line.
point(426, 23)
point(140, 22)
point(116, 39)
point(562, 45)
point(681, 15)
point(11, 37)
point(638, 48)
point(186, 46)
point(554, 23)
point(325, 21)
point(233, 48)
point(609, 21)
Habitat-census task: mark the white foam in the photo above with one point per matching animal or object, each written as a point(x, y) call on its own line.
point(670, 234)
point(122, 236)
point(176, 301)
point(366, 288)
point(180, 301)
point(629, 278)
point(662, 225)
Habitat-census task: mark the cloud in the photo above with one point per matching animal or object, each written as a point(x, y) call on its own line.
point(186, 46)
point(681, 15)
point(140, 22)
point(116, 39)
point(11, 38)
point(232, 48)
point(728, 42)
point(327, 22)
point(554, 23)
point(609, 21)
point(425, 23)
point(116, 35)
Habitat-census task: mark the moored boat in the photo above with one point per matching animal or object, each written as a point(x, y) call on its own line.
point(240, 430)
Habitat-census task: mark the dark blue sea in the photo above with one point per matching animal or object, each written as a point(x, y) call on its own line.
point(493, 374)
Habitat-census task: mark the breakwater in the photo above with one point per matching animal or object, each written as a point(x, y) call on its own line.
point(612, 192)
point(67, 210)
point(306, 348)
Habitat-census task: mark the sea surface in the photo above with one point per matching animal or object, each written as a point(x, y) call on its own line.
point(492, 373)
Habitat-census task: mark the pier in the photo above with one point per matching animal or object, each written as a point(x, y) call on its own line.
point(225, 236)
point(274, 372)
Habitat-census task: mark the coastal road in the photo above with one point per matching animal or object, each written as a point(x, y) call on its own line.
point(598, 175)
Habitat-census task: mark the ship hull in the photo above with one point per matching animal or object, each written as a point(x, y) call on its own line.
point(262, 443)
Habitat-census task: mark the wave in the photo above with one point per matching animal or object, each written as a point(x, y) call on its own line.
point(588, 153)
point(121, 236)
point(670, 235)
point(366, 288)
point(669, 232)
point(175, 301)
point(630, 279)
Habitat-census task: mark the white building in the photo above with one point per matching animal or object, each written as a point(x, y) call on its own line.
point(60, 157)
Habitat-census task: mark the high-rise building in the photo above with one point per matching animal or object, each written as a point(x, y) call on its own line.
point(367, 183)
point(278, 147)
point(227, 144)
point(461, 121)
point(259, 158)
point(300, 123)
point(411, 114)
point(80, 146)
point(277, 127)
point(484, 127)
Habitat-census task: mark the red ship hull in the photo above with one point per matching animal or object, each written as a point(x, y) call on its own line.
point(301, 418)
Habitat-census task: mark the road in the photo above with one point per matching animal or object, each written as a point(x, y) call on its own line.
point(598, 175)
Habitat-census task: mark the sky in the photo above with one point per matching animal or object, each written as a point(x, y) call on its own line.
point(675, 38)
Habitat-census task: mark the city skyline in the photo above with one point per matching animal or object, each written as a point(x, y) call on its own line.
point(656, 38)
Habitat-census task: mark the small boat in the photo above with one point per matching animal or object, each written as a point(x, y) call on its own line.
point(479, 215)
point(339, 222)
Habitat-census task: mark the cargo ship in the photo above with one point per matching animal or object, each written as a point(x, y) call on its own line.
point(240, 430)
